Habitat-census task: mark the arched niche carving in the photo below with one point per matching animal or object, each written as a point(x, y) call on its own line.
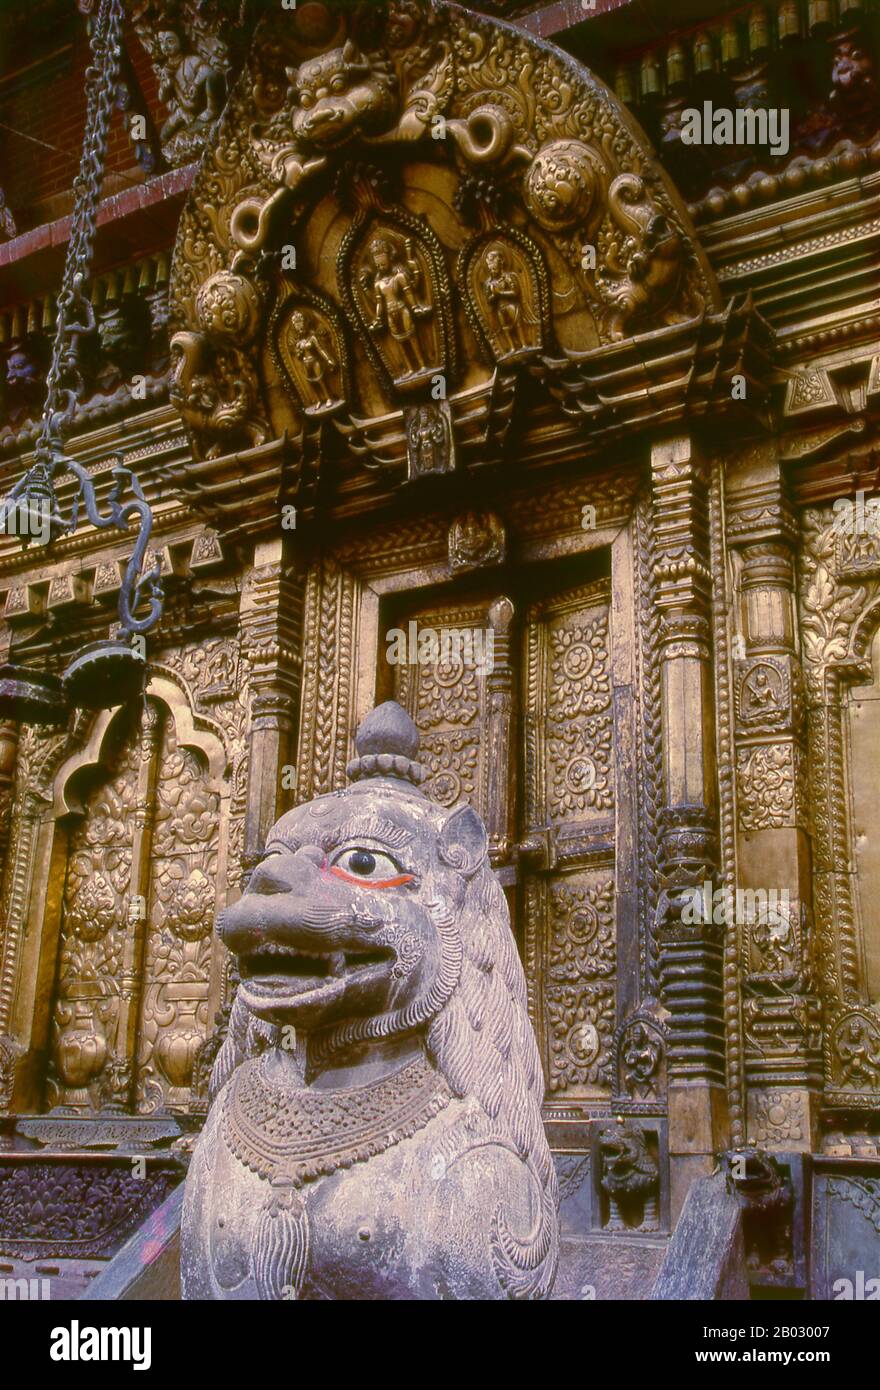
point(448, 204)
point(139, 825)
point(193, 732)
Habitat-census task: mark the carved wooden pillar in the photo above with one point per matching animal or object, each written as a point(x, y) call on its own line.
point(781, 1012)
point(690, 952)
point(119, 1070)
point(21, 983)
point(271, 628)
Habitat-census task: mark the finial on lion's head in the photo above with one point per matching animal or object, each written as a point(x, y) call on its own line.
point(387, 743)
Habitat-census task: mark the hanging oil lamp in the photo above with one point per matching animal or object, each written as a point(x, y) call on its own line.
point(109, 672)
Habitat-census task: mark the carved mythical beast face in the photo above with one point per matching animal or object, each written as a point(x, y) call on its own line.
point(353, 913)
point(853, 72)
point(340, 95)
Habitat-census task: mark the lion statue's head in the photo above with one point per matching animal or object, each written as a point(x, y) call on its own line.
point(375, 915)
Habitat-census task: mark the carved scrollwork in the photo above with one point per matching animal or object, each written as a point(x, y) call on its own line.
point(328, 148)
point(215, 391)
point(644, 266)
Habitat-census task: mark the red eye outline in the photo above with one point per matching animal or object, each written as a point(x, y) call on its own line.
point(371, 882)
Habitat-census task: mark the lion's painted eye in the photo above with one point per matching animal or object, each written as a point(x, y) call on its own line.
point(338, 84)
point(361, 865)
point(306, 100)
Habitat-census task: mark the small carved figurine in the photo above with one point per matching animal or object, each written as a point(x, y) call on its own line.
point(429, 441)
point(317, 365)
point(629, 1178)
point(392, 282)
point(192, 89)
point(504, 293)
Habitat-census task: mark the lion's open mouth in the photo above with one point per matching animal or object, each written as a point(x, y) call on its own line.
point(291, 969)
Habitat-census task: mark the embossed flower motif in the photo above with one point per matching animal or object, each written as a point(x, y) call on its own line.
point(452, 759)
point(582, 931)
point(581, 1027)
point(192, 906)
point(580, 761)
point(766, 778)
point(776, 1116)
point(94, 909)
point(579, 668)
point(448, 693)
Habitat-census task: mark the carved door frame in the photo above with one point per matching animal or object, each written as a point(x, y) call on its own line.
point(346, 586)
point(29, 964)
point(837, 908)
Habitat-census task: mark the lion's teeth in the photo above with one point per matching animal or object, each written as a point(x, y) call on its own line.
point(337, 963)
point(278, 948)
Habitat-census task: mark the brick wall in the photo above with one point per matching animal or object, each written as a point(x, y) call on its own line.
point(42, 116)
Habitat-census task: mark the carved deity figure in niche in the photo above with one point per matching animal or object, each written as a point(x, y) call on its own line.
point(391, 279)
point(504, 292)
point(306, 349)
point(762, 692)
point(192, 88)
point(640, 1058)
point(774, 941)
point(858, 1047)
point(429, 443)
point(397, 1150)
point(476, 539)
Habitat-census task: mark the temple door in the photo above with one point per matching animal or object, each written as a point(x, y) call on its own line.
point(527, 737)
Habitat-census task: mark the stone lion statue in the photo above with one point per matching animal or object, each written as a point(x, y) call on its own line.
point(375, 1130)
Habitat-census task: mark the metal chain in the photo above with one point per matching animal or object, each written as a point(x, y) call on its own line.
point(75, 314)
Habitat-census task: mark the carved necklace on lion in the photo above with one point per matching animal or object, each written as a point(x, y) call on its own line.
point(324, 1130)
